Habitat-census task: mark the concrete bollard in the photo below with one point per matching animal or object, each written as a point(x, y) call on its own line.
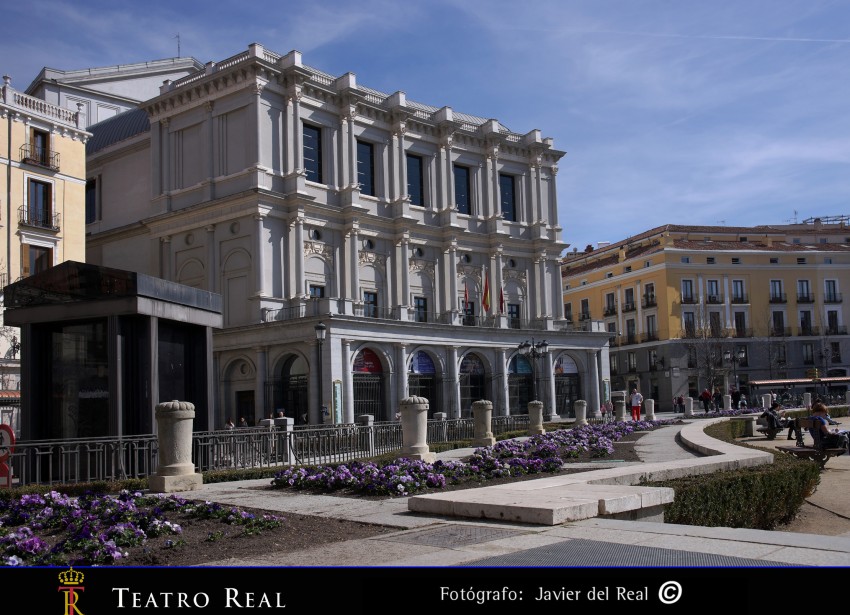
point(689, 407)
point(766, 400)
point(649, 406)
point(175, 470)
point(580, 408)
point(482, 418)
point(620, 410)
point(807, 401)
point(535, 418)
point(414, 429)
point(727, 402)
point(368, 421)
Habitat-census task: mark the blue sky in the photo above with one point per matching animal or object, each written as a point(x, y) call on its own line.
point(671, 111)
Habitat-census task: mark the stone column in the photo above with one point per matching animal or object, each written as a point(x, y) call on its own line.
point(260, 258)
point(620, 410)
point(727, 402)
point(414, 429)
point(689, 407)
point(175, 470)
point(482, 416)
point(297, 288)
point(766, 400)
point(535, 418)
point(593, 371)
point(580, 407)
point(649, 405)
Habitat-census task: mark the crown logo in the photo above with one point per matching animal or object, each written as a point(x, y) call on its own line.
point(71, 577)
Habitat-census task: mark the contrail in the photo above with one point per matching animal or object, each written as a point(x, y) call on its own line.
point(729, 38)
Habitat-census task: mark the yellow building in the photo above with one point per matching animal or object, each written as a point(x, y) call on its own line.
point(43, 196)
point(695, 307)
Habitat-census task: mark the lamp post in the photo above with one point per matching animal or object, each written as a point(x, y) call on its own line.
point(321, 332)
point(534, 351)
point(734, 358)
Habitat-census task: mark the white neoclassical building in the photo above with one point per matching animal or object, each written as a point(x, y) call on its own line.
point(307, 199)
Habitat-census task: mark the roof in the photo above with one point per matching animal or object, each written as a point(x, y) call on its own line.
point(117, 128)
point(791, 381)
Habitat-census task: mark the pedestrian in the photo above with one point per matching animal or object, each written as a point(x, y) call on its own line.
point(736, 398)
point(228, 424)
point(242, 422)
point(636, 401)
point(718, 399)
point(705, 398)
point(680, 404)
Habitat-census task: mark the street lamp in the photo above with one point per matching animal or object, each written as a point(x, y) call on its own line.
point(321, 332)
point(734, 358)
point(534, 351)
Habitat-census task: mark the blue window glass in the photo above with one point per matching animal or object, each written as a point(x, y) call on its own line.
point(462, 189)
point(506, 189)
point(313, 153)
point(414, 180)
point(366, 168)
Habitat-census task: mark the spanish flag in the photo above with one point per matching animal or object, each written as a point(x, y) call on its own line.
point(485, 300)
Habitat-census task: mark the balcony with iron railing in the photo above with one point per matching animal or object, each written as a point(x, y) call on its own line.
point(832, 298)
point(739, 299)
point(39, 156)
point(809, 330)
point(689, 299)
point(649, 301)
point(609, 310)
point(629, 307)
point(780, 332)
point(584, 316)
point(805, 298)
point(778, 298)
point(650, 336)
point(836, 330)
point(714, 299)
point(38, 218)
point(742, 332)
point(629, 338)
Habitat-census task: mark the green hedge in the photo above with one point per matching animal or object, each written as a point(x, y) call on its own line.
point(762, 497)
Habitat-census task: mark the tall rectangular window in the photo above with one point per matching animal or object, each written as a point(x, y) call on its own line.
point(689, 324)
point(370, 304)
point(808, 354)
point(830, 291)
point(313, 153)
point(713, 288)
point(585, 309)
point(568, 311)
point(420, 307)
point(39, 205)
point(738, 291)
point(507, 197)
point(776, 293)
point(687, 291)
point(740, 324)
point(832, 322)
point(804, 292)
point(91, 201)
point(778, 323)
point(651, 327)
point(35, 259)
point(462, 200)
point(629, 299)
point(513, 316)
point(714, 324)
point(415, 186)
point(366, 168)
point(39, 151)
point(835, 351)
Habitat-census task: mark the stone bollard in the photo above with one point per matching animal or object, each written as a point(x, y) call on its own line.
point(535, 418)
point(766, 400)
point(807, 401)
point(414, 429)
point(175, 470)
point(620, 410)
point(689, 407)
point(482, 418)
point(580, 408)
point(727, 402)
point(285, 426)
point(368, 421)
point(649, 406)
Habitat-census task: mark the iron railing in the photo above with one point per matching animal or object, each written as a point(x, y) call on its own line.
point(110, 459)
point(38, 217)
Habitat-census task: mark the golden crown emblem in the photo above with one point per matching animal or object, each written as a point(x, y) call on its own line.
point(71, 577)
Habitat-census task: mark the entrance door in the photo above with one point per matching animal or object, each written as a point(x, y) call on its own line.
point(245, 407)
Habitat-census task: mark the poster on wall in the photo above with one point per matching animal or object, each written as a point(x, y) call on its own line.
point(422, 364)
point(606, 391)
point(367, 361)
point(337, 401)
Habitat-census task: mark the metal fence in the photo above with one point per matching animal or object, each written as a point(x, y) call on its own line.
point(106, 459)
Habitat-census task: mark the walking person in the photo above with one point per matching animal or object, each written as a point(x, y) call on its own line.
point(705, 398)
point(636, 401)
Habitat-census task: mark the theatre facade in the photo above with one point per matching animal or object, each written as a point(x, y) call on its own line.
point(366, 247)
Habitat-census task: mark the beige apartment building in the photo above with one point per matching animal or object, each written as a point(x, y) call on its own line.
point(43, 195)
point(694, 307)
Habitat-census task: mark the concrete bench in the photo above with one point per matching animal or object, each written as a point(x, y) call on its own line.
point(749, 423)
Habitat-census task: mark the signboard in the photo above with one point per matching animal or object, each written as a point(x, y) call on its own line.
point(421, 363)
point(472, 364)
point(606, 391)
point(367, 361)
point(520, 365)
point(566, 365)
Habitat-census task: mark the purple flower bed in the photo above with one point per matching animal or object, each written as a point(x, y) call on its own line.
point(540, 453)
point(57, 530)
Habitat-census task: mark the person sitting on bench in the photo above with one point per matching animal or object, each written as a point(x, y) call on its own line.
point(828, 439)
point(774, 418)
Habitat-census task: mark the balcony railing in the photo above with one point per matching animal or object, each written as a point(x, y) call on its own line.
point(629, 338)
point(780, 332)
point(689, 299)
point(806, 298)
point(778, 298)
point(743, 332)
point(809, 330)
point(609, 310)
point(832, 298)
point(842, 330)
point(743, 298)
point(38, 218)
point(651, 336)
point(629, 307)
point(649, 301)
point(584, 316)
point(374, 311)
point(40, 156)
point(714, 299)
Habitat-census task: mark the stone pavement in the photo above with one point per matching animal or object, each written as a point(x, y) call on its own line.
point(430, 539)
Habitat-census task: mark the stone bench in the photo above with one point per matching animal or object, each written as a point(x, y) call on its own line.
point(749, 421)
